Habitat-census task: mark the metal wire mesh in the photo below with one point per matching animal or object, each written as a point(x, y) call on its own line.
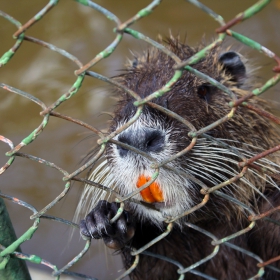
point(47, 112)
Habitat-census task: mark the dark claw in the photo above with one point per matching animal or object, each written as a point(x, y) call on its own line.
point(97, 225)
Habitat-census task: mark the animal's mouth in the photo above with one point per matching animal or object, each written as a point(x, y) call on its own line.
point(151, 194)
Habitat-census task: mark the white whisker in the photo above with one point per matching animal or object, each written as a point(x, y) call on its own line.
point(207, 162)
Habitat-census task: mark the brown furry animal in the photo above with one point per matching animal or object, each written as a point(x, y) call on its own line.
point(214, 159)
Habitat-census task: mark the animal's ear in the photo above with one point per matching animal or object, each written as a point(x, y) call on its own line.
point(234, 66)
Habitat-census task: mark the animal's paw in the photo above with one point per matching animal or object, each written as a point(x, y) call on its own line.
point(97, 225)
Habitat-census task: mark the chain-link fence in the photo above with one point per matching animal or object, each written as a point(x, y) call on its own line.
point(83, 72)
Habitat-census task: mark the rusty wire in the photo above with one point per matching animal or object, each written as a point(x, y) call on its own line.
point(180, 66)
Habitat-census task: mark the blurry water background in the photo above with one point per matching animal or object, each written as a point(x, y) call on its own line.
point(84, 32)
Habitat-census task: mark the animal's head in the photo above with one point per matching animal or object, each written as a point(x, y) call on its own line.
point(159, 136)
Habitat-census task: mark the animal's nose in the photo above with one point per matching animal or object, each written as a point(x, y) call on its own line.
point(148, 140)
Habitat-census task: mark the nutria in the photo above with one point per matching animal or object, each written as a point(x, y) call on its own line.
point(214, 159)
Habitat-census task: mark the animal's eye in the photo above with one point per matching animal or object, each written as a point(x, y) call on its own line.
point(204, 92)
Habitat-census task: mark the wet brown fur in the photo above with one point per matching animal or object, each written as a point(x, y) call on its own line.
point(151, 72)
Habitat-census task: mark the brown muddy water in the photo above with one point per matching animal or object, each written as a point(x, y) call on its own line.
point(84, 32)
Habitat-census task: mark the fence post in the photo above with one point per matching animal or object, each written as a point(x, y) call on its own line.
point(15, 269)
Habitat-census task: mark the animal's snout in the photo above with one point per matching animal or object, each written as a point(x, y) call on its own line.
point(148, 140)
